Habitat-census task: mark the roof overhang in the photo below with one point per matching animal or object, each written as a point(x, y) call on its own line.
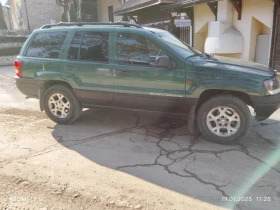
point(185, 3)
point(134, 5)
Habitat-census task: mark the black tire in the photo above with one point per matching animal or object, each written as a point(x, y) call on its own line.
point(75, 110)
point(233, 103)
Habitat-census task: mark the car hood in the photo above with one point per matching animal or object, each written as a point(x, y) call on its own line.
point(240, 65)
point(243, 63)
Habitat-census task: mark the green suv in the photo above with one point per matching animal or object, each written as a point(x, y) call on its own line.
point(82, 65)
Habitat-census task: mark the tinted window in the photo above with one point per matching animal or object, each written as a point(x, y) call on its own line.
point(46, 45)
point(177, 45)
point(137, 50)
point(94, 47)
point(154, 51)
point(75, 46)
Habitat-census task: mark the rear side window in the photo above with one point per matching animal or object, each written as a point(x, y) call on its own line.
point(75, 46)
point(46, 45)
point(90, 46)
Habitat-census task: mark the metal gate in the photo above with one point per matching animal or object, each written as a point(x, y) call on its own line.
point(185, 34)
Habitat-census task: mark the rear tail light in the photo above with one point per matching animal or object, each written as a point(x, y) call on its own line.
point(18, 68)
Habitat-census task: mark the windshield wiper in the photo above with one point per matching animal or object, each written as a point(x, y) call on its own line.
point(203, 55)
point(207, 55)
point(194, 55)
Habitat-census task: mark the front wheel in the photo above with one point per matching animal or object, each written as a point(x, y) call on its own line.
point(224, 119)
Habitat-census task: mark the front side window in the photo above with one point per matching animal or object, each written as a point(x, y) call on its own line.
point(46, 45)
point(177, 45)
point(137, 50)
point(90, 46)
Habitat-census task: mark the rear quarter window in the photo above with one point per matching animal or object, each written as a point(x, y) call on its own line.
point(46, 45)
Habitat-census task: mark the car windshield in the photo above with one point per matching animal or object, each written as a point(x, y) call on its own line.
point(182, 48)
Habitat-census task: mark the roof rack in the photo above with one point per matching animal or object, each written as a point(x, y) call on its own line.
point(89, 24)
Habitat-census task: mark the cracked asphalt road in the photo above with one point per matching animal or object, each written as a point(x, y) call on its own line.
point(128, 160)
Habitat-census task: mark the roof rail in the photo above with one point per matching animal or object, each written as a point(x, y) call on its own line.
point(89, 24)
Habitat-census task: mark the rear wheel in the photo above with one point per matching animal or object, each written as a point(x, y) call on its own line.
point(224, 119)
point(61, 104)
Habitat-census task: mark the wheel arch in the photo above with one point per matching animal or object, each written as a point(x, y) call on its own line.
point(47, 84)
point(207, 94)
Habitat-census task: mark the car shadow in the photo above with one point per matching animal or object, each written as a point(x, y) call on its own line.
point(159, 149)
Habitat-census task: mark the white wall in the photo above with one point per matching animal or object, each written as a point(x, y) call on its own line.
point(222, 34)
point(262, 11)
point(261, 55)
point(103, 5)
point(202, 16)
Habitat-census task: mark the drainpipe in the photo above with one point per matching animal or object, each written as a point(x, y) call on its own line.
point(273, 39)
point(28, 26)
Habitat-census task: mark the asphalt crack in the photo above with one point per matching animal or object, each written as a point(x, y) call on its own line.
point(165, 134)
point(217, 187)
point(268, 141)
point(244, 149)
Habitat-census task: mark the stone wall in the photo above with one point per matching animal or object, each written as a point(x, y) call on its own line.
point(39, 13)
point(9, 48)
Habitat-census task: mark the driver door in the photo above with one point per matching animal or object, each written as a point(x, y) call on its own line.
point(138, 83)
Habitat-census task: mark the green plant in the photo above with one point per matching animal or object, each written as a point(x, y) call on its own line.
point(4, 39)
point(10, 51)
point(73, 13)
point(64, 17)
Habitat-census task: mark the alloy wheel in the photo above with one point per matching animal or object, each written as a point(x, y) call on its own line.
point(59, 105)
point(223, 121)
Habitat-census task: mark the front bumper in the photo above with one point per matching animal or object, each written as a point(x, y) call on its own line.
point(28, 87)
point(265, 106)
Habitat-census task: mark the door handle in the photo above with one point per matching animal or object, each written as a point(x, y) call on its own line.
point(69, 68)
point(124, 73)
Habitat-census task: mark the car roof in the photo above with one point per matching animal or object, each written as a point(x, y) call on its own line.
point(85, 25)
point(155, 30)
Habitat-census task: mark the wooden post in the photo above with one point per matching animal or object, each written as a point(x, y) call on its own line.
point(214, 8)
point(238, 6)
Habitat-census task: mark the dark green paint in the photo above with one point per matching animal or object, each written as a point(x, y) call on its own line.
point(189, 79)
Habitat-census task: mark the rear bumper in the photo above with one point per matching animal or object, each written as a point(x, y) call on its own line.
point(28, 87)
point(265, 106)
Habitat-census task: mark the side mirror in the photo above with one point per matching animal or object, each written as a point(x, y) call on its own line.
point(162, 62)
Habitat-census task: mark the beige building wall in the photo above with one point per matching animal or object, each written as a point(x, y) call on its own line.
point(103, 5)
point(202, 16)
point(257, 19)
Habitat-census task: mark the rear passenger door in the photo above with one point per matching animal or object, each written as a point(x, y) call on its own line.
point(88, 59)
